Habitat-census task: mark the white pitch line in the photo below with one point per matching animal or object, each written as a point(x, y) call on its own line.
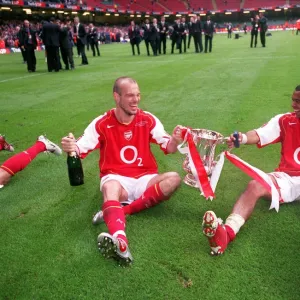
point(23, 77)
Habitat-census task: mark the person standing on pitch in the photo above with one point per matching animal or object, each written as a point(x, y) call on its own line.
point(197, 33)
point(20, 161)
point(163, 31)
point(184, 25)
point(297, 26)
point(28, 43)
point(128, 169)
point(229, 30)
point(81, 38)
point(263, 26)
point(208, 29)
point(50, 34)
point(175, 36)
point(93, 39)
point(281, 186)
point(154, 36)
point(254, 31)
point(146, 28)
point(66, 46)
point(19, 37)
point(135, 37)
point(245, 28)
point(191, 31)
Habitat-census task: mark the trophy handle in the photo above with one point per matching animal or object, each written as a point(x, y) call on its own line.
point(222, 140)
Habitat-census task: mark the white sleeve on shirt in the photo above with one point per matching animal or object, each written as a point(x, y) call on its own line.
point(159, 135)
point(270, 132)
point(89, 141)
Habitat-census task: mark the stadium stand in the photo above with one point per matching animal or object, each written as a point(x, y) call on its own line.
point(183, 5)
point(294, 2)
point(175, 5)
point(197, 5)
point(133, 5)
point(151, 5)
point(263, 3)
point(97, 3)
point(228, 4)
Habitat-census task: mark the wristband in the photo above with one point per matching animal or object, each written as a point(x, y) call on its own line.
point(244, 139)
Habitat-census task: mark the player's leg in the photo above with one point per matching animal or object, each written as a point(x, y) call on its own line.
point(4, 145)
point(21, 160)
point(252, 38)
point(114, 244)
point(150, 190)
point(206, 43)
point(158, 189)
point(4, 177)
point(219, 235)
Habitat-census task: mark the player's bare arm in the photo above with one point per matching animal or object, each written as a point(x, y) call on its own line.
point(249, 138)
point(176, 139)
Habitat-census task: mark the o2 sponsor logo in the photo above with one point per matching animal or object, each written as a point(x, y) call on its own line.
point(296, 156)
point(135, 157)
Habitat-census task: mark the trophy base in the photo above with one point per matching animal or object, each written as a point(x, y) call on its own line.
point(190, 180)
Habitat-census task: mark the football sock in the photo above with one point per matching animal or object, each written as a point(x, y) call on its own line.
point(151, 197)
point(114, 218)
point(1, 147)
point(20, 161)
point(235, 222)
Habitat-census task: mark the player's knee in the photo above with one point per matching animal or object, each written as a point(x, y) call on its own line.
point(174, 179)
point(256, 188)
point(111, 186)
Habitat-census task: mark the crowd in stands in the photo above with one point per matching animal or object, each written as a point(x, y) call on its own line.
point(173, 5)
point(9, 29)
point(68, 2)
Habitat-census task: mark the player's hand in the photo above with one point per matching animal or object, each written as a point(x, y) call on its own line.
point(68, 143)
point(177, 134)
point(230, 141)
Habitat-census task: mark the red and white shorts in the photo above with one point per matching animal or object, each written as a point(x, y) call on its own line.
point(134, 187)
point(289, 186)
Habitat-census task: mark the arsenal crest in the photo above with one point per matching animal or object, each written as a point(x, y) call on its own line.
point(128, 135)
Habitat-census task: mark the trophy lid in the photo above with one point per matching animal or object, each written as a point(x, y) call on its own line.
point(207, 134)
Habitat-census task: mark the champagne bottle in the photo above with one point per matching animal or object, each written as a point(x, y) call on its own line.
point(75, 170)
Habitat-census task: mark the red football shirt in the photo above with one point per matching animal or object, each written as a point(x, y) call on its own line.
point(285, 129)
point(124, 149)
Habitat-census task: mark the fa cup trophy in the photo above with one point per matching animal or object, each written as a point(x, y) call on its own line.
point(202, 167)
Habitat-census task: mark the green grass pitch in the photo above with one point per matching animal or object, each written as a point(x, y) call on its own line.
point(48, 245)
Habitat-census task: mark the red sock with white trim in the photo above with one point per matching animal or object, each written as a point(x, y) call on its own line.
point(151, 197)
point(20, 161)
point(114, 218)
point(233, 224)
point(230, 233)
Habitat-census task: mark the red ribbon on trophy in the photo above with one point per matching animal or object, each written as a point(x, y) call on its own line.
point(196, 164)
point(258, 175)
